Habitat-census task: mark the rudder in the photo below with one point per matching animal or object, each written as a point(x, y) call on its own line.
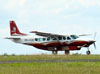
point(14, 31)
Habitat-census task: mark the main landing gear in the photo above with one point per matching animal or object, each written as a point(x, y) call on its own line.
point(54, 52)
point(88, 52)
point(66, 49)
point(67, 52)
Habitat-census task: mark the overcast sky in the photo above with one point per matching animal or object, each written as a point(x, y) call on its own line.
point(53, 16)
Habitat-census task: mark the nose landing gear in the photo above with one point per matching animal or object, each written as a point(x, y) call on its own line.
point(88, 52)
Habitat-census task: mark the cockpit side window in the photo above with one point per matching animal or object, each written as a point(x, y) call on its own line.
point(74, 36)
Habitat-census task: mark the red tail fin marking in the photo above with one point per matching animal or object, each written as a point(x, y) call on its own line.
point(14, 29)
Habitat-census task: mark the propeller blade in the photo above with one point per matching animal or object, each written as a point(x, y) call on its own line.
point(94, 45)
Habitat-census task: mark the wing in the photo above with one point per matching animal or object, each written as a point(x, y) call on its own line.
point(47, 34)
point(85, 34)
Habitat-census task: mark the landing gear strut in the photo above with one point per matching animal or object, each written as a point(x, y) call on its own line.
point(67, 52)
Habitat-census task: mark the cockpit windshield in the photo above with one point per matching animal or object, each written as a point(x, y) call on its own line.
point(74, 36)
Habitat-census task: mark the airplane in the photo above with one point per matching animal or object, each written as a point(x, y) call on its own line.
point(49, 41)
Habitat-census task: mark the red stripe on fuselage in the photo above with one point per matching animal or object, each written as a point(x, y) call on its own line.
point(78, 43)
point(72, 46)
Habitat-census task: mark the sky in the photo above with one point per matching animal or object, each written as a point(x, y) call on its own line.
point(53, 16)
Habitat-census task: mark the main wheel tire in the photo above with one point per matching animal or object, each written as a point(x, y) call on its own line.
point(54, 52)
point(67, 52)
point(88, 52)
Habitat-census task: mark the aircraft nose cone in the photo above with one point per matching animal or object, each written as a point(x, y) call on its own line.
point(92, 41)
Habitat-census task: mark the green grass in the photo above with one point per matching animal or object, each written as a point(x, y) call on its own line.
point(48, 67)
point(51, 68)
point(49, 57)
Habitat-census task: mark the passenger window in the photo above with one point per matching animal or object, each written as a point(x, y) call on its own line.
point(60, 38)
point(48, 39)
point(64, 38)
point(36, 39)
point(68, 38)
point(54, 39)
point(40, 39)
point(44, 39)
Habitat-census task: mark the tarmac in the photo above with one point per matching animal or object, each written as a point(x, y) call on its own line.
point(51, 61)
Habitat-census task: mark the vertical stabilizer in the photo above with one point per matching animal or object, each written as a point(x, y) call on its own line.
point(14, 31)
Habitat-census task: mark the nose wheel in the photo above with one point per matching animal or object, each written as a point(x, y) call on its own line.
point(88, 52)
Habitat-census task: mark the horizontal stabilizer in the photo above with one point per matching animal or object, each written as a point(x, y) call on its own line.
point(12, 38)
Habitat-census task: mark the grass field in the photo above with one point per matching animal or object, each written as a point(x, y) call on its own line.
point(48, 57)
point(49, 67)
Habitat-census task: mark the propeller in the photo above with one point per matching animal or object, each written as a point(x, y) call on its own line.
point(94, 39)
point(94, 45)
